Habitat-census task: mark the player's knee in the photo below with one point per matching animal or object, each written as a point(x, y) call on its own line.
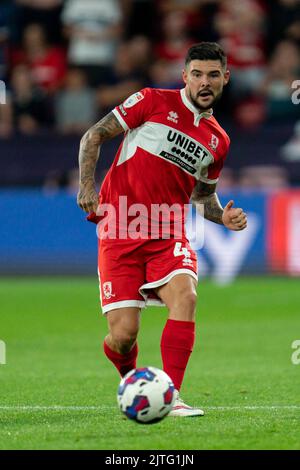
point(187, 301)
point(124, 340)
point(190, 299)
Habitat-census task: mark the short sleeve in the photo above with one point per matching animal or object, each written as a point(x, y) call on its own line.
point(213, 171)
point(135, 110)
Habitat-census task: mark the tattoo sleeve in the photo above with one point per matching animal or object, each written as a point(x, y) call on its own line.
point(89, 150)
point(206, 194)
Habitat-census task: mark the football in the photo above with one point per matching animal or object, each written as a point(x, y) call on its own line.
point(146, 395)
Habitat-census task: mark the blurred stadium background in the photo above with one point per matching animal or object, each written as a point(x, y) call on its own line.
point(65, 64)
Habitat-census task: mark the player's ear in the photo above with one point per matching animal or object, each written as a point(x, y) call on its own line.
point(226, 77)
point(184, 76)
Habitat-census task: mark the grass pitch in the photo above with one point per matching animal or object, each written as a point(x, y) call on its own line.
point(58, 391)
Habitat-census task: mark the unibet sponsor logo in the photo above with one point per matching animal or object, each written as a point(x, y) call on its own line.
point(185, 152)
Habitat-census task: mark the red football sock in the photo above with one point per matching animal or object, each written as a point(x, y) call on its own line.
point(123, 362)
point(176, 345)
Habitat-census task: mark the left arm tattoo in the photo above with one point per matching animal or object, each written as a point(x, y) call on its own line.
point(206, 194)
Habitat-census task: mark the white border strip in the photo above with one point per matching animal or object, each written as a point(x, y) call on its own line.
point(28, 408)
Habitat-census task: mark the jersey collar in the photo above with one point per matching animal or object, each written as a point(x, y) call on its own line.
point(197, 115)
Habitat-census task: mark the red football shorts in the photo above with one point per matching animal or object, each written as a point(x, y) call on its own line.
point(129, 270)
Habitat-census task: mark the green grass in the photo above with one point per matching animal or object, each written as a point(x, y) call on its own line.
point(242, 358)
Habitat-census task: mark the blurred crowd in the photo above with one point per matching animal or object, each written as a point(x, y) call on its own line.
point(67, 63)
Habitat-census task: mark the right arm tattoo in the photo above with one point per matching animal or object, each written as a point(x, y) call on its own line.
point(106, 129)
point(206, 194)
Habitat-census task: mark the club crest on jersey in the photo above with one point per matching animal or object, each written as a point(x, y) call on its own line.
point(107, 290)
point(133, 99)
point(214, 142)
point(173, 116)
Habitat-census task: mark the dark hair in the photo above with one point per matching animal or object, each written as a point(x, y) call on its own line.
point(206, 51)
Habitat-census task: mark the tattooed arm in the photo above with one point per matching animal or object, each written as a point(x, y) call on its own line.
point(232, 218)
point(206, 194)
point(106, 129)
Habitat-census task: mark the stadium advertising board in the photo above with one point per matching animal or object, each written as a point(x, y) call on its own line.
point(52, 237)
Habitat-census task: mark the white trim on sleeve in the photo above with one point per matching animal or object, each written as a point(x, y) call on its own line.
point(208, 181)
point(120, 119)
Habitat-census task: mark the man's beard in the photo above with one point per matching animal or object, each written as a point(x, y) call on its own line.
point(209, 106)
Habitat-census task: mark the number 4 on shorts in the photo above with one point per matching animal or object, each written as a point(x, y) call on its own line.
point(178, 251)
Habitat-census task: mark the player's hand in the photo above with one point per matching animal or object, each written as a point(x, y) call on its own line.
point(87, 197)
point(234, 218)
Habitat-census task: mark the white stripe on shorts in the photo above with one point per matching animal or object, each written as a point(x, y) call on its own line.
point(161, 282)
point(122, 304)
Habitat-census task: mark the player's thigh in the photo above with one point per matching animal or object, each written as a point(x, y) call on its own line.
point(179, 294)
point(172, 274)
point(124, 323)
point(121, 273)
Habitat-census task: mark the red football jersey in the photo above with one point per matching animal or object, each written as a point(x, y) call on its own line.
point(168, 146)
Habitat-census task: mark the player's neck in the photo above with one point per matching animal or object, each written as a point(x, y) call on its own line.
point(191, 105)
